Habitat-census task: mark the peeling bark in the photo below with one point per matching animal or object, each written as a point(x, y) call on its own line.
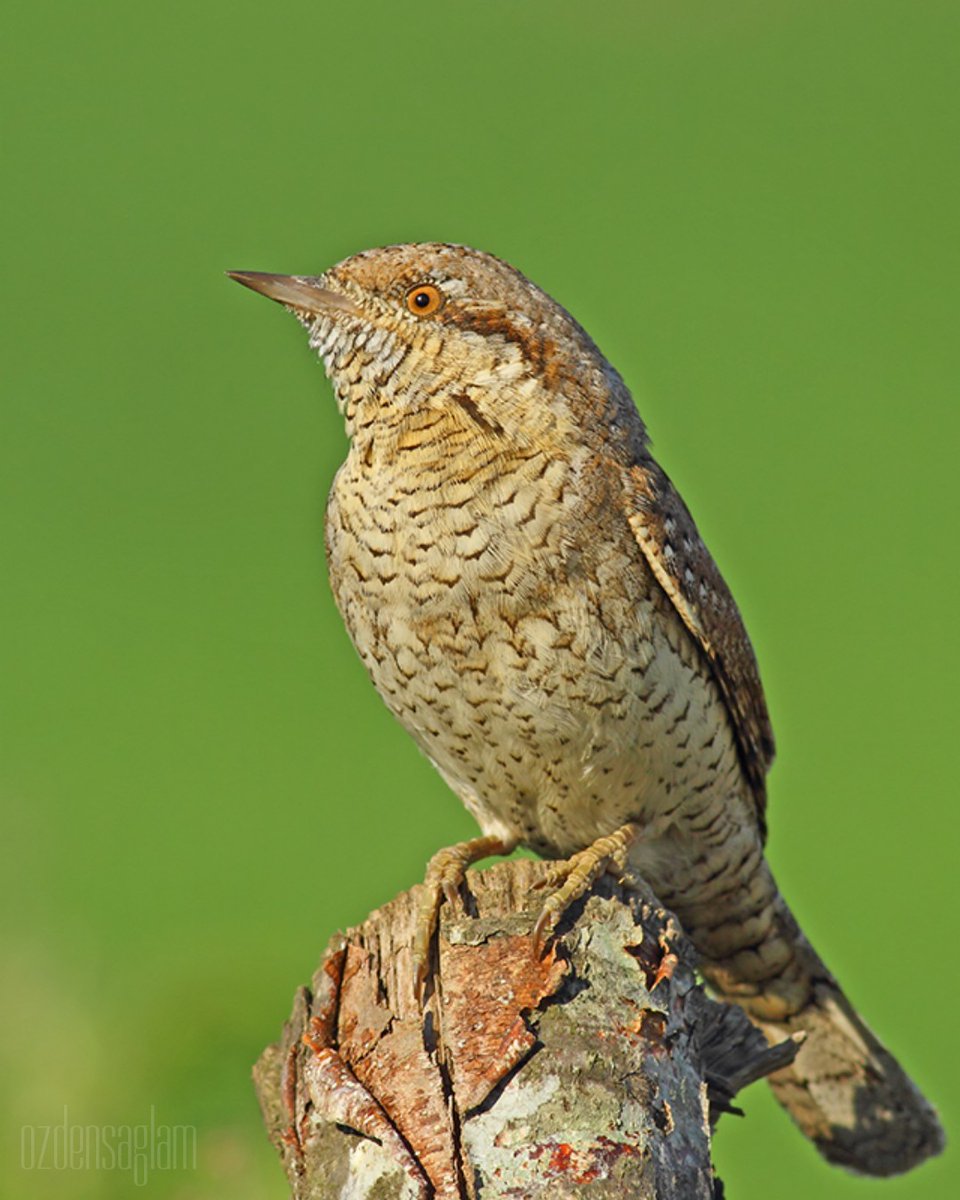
point(596, 1070)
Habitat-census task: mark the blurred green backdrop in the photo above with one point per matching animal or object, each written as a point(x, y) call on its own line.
point(751, 206)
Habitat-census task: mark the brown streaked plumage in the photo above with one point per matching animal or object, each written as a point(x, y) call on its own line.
point(532, 600)
point(687, 573)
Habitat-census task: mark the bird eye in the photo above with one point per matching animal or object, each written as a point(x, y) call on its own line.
point(424, 299)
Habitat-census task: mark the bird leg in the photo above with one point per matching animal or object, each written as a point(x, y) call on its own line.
point(445, 873)
point(576, 874)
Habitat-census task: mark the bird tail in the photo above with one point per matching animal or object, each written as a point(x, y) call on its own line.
point(844, 1089)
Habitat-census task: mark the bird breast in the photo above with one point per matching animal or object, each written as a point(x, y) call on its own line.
point(542, 671)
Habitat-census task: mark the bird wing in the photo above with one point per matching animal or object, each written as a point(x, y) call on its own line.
point(687, 573)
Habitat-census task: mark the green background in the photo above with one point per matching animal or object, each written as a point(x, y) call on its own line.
point(752, 207)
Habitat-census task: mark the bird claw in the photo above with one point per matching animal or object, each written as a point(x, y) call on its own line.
point(576, 875)
point(445, 873)
point(668, 960)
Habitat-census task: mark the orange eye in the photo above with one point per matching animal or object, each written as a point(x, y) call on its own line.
point(424, 299)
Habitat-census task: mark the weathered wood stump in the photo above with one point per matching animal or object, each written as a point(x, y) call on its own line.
point(597, 1069)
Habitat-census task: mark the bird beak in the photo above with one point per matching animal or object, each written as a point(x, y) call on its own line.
point(297, 291)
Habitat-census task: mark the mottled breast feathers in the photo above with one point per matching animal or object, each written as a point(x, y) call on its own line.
point(687, 573)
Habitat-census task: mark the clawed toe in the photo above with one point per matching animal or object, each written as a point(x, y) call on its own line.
point(444, 875)
point(575, 877)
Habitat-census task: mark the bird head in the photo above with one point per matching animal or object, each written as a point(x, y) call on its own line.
point(405, 327)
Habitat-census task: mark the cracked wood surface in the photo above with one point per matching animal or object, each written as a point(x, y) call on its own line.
point(596, 1070)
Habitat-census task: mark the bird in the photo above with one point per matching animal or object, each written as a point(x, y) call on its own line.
point(532, 599)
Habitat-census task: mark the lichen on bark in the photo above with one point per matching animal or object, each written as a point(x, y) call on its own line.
point(595, 1069)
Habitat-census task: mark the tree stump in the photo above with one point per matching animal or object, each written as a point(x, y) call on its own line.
point(595, 1070)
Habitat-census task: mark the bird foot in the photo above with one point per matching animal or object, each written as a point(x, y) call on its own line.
point(445, 874)
point(575, 876)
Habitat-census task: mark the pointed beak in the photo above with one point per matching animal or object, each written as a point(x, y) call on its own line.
point(301, 292)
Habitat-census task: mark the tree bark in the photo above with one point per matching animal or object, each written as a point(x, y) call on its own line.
point(597, 1069)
